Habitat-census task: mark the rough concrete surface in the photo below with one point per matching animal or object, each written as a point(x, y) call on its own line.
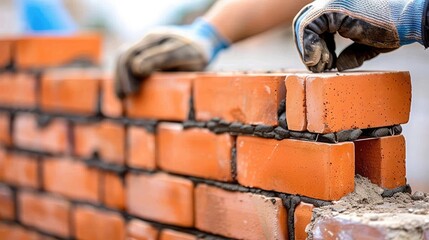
point(364, 214)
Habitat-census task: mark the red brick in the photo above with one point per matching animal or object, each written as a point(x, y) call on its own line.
point(317, 170)
point(110, 105)
point(239, 215)
point(295, 102)
point(163, 96)
point(6, 51)
point(45, 213)
point(251, 99)
point(106, 138)
point(141, 148)
point(382, 160)
point(139, 230)
point(70, 91)
point(336, 102)
point(5, 136)
point(71, 179)
point(113, 191)
point(94, 224)
point(303, 214)
point(7, 204)
point(50, 138)
point(19, 170)
point(196, 152)
point(12, 232)
point(169, 234)
point(49, 51)
point(17, 90)
point(162, 198)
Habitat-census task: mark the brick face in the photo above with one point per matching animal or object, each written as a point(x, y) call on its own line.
point(161, 197)
point(5, 137)
point(318, 170)
point(51, 51)
point(162, 96)
point(53, 211)
point(139, 230)
point(110, 105)
point(295, 102)
point(106, 138)
point(239, 97)
point(6, 51)
point(94, 224)
point(175, 235)
point(71, 179)
point(9, 231)
point(195, 152)
point(7, 204)
point(18, 90)
point(347, 101)
point(113, 191)
point(141, 148)
point(382, 160)
point(303, 213)
point(62, 91)
point(50, 138)
point(19, 170)
point(239, 215)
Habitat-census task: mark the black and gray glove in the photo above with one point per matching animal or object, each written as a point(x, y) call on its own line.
point(180, 48)
point(375, 26)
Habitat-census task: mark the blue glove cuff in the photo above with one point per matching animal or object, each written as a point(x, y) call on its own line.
point(46, 16)
point(204, 29)
point(410, 23)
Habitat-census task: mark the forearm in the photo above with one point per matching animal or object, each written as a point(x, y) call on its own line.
point(239, 19)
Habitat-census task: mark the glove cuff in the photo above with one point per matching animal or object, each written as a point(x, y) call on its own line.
point(214, 42)
point(425, 25)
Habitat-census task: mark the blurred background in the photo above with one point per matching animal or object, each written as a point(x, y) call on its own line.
point(128, 20)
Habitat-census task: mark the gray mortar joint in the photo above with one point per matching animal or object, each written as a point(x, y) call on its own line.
point(218, 126)
point(281, 131)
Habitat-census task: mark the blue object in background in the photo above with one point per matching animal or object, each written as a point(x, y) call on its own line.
point(46, 16)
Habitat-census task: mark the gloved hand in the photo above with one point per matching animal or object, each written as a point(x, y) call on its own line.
point(375, 26)
point(180, 48)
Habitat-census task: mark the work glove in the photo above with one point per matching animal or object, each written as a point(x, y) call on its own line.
point(178, 48)
point(375, 26)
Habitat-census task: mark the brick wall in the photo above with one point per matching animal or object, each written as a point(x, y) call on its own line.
point(191, 155)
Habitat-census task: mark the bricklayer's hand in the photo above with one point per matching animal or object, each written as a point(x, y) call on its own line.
point(375, 26)
point(186, 48)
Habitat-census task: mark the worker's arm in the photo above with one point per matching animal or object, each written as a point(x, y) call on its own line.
point(236, 20)
point(375, 26)
point(192, 47)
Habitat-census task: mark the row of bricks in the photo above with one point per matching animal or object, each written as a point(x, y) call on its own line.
point(72, 179)
point(217, 211)
point(268, 164)
point(316, 103)
point(89, 223)
point(35, 52)
point(317, 170)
